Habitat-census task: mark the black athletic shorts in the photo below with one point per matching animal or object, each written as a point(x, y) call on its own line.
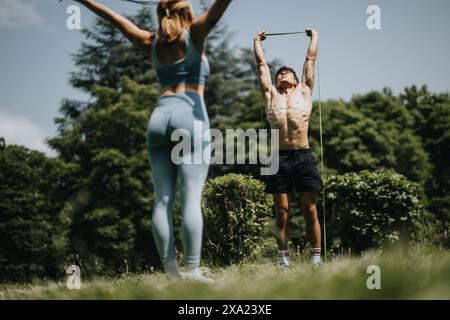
point(297, 168)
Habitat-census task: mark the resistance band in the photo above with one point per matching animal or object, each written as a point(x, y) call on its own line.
point(151, 3)
point(284, 33)
point(143, 2)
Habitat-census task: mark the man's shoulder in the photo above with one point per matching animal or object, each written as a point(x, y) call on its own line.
point(306, 88)
point(272, 92)
point(273, 89)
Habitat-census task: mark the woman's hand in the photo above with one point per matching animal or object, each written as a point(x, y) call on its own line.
point(84, 2)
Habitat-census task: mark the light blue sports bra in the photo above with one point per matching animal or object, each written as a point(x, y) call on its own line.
point(192, 69)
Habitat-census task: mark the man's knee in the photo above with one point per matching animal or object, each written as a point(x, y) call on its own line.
point(310, 213)
point(282, 217)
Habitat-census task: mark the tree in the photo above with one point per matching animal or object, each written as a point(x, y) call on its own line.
point(431, 113)
point(33, 227)
point(106, 140)
point(109, 57)
point(108, 143)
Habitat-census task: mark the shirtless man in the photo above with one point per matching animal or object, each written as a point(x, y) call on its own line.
point(288, 108)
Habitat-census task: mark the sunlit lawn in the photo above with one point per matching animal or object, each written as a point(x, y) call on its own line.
point(417, 274)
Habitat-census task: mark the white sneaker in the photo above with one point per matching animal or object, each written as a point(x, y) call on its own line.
point(172, 270)
point(196, 276)
point(174, 276)
point(316, 264)
point(283, 265)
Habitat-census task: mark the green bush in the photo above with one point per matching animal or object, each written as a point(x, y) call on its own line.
point(237, 212)
point(372, 209)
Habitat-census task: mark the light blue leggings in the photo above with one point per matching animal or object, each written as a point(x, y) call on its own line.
point(179, 111)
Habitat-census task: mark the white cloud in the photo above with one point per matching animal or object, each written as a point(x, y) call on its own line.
point(19, 13)
point(17, 129)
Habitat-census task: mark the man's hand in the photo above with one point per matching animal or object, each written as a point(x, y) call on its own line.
point(311, 32)
point(261, 36)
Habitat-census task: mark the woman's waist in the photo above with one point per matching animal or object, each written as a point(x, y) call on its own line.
point(183, 88)
point(181, 100)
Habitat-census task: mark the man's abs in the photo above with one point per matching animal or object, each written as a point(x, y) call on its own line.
point(290, 115)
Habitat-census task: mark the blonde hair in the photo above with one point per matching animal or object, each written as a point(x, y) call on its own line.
point(173, 17)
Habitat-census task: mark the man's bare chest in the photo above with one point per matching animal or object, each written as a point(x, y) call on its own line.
point(296, 106)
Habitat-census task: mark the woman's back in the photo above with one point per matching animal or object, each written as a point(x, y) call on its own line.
point(190, 68)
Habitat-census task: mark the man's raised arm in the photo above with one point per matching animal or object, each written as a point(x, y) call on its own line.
point(265, 80)
point(308, 68)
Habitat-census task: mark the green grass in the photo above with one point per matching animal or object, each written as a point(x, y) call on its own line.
point(416, 274)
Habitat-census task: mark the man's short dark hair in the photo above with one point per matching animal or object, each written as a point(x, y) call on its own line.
point(286, 69)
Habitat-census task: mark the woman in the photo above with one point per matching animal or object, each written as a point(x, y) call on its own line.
point(177, 56)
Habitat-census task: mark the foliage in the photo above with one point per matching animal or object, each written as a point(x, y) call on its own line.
point(33, 230)
point(236, 212)
point(373, 209)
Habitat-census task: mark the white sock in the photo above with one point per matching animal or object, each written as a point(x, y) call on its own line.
point(315, 255)
point(193, 270)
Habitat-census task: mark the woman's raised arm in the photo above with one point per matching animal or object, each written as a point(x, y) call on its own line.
point(130, 30)
point(203, 24)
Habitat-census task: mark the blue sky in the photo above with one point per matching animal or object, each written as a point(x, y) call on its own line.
point(411, 48)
